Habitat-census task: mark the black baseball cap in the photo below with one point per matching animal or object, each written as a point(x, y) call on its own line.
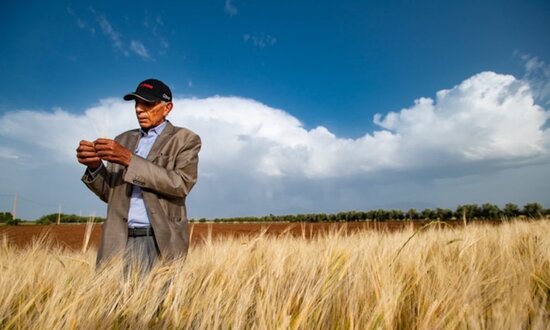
point(151, 90)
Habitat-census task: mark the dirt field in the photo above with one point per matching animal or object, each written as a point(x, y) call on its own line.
point(72, 235)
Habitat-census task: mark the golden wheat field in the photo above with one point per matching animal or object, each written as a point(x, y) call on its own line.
point(437, 277)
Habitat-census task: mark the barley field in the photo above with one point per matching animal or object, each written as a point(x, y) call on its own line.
point(436, 277)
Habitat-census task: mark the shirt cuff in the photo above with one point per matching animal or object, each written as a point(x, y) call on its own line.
point(94, 172)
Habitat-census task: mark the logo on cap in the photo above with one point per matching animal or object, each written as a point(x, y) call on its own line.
point(146, 86)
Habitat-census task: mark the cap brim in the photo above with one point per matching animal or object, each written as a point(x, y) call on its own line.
point(146, 98)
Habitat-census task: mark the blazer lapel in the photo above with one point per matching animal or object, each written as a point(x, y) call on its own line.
point(133, 141)
point(167, 132)
point(131, 144)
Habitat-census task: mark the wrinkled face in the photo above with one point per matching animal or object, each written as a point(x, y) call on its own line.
point(151, 114)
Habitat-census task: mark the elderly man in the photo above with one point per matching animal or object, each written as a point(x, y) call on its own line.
point(148, 175)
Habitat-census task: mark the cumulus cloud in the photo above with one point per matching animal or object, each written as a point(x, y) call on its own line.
point(488, 117)
point(60, 131)
point(256, 156)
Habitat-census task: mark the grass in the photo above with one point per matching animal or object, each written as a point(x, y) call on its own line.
point(478, 277)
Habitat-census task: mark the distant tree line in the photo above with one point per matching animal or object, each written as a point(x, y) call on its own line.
point(66, 218)
point(7, 218)
point(466, 212)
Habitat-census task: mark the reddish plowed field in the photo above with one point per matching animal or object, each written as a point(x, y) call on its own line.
point(72, 235)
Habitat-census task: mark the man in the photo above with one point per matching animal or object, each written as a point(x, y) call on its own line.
point(149, 173)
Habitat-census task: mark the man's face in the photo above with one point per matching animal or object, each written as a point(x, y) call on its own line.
point(151, 114)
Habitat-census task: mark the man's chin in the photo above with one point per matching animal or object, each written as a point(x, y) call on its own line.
point(144, 124)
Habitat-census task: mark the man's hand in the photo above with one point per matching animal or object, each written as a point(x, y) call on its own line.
point(86, 154)
point(112, 151)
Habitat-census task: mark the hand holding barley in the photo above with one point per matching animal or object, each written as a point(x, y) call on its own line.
point(87, 155)
point(112, 151)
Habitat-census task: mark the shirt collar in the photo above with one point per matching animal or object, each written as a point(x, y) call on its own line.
point(155, 130)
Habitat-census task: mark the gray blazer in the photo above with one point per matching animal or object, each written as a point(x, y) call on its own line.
point(165, 177)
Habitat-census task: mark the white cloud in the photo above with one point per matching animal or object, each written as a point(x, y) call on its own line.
point(80, 22)
point(8, 153)
point(487, 117)
point(257, 159)
point(259, 39)
point(155, 29)
point(110, 32)
point(121, 44)
point(138, 48)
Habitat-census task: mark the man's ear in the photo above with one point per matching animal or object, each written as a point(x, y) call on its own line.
point(168, 108)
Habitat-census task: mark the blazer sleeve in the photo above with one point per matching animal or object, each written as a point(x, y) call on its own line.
point(173, 176)
point(98, 182)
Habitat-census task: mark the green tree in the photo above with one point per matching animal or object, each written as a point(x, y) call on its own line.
point(427, 214)
point(5, 217)
point(13, 222)
point(490, 211)
point(412, 214)
point(511, 210)
point(442, 214)
point(396, 214)
point(354, 216)
point(533, 210)
point(43, 221)
point(66, 218)
point(379, 215)
point(371, 215)
point(467, 211)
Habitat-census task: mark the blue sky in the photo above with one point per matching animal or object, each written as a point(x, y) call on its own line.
point(314, 70)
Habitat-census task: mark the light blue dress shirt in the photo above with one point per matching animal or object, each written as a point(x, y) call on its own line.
point(137, 215)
